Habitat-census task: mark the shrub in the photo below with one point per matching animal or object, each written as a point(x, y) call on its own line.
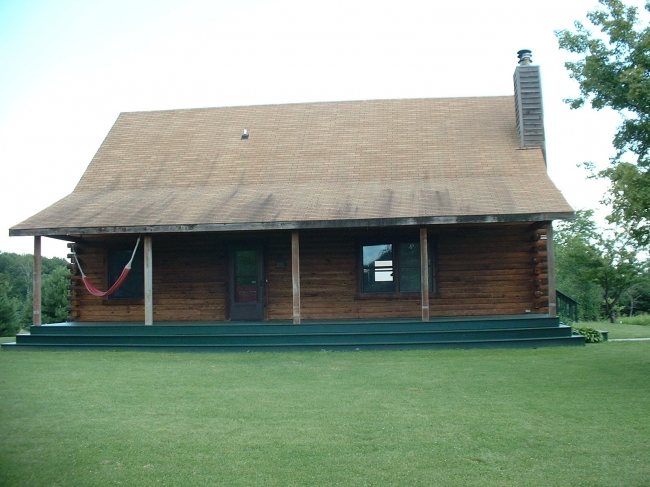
point(591, 334)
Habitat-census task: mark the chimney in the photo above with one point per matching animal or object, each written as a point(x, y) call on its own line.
point(528, 103)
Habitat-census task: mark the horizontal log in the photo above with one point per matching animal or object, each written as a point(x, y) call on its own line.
point(521, 295)
point(492, 249)
point(484, 267)
point(500, 276)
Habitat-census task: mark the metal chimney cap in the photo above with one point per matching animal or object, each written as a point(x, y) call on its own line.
point(524, 56)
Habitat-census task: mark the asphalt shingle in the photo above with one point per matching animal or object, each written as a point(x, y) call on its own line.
point(309, 162)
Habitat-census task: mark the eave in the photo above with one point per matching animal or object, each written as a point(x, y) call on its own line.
point(65, 232)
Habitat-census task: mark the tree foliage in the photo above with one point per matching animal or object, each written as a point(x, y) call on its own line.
point(637, 298)
point(598, 266)
point(55, 296)
point(629, 199)
point(8, 315)
point(16, 281)
point(570, 278)
point(614, 72)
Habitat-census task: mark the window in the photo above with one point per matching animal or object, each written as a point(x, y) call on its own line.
point(393, 267)
point(133, 286)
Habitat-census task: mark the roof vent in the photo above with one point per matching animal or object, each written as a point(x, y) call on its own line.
point(524, 56)
point(245, 134)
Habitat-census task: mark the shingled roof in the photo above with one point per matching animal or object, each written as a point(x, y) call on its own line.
point(359, 163)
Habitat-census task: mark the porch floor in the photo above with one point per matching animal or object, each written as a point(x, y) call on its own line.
point(382, 334)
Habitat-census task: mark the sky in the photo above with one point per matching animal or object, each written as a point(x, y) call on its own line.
point(69, 67)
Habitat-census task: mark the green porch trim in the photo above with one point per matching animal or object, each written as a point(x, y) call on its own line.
point(465, 332)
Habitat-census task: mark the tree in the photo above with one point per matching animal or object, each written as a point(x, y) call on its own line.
point(637, 298)
point(8, 317)
point(614, 72)
point(571, 238)
point(55, 296)
point(16, 297)
point(604, 263)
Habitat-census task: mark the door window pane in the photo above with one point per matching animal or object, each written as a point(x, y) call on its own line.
point(246, 284)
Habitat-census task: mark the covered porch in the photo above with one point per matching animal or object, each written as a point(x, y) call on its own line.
point(474, 285)
point(474, 269)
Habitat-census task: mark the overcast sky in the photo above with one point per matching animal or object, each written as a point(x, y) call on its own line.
point(69, 67)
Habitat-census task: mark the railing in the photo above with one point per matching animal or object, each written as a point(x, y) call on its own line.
point(566, 307)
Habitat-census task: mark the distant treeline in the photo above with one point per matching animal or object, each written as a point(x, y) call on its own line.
point(16, 287)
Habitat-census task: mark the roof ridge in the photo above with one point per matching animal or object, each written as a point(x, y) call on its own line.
point(322, 102)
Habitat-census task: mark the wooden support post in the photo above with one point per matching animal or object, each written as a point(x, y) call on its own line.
point(550, 249)
point(424, 272)
point(295, 275)
point(37, 319)
point(148, 281)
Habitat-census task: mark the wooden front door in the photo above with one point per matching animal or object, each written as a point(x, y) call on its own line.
point(246, 283)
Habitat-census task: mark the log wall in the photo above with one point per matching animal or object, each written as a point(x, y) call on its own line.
point(479, 270)
point(189, 280)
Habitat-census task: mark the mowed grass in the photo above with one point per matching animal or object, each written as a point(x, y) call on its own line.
point(619, 330)
point(574, 416)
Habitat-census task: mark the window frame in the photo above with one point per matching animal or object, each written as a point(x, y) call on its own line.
point(395, 241)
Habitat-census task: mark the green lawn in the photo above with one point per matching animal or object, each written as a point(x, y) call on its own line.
point(619, 330)
point(547, 417)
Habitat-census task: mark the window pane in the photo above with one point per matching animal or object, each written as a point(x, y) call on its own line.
point(409, 267)
point(133, 286)
point(409, 280)
point(409, 254)
point(378, 269)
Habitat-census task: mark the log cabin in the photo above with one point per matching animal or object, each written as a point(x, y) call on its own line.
point(409, 216)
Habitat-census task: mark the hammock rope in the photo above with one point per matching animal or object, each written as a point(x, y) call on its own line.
point(125, 272)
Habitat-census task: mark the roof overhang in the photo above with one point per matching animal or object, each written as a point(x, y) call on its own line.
point(64, 232)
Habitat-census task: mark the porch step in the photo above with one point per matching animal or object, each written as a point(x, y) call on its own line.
point(519, 331)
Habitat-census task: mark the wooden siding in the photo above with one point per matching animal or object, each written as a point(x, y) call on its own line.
point(479, 270)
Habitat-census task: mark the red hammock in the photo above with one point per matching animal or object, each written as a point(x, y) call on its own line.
point(125, 272)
